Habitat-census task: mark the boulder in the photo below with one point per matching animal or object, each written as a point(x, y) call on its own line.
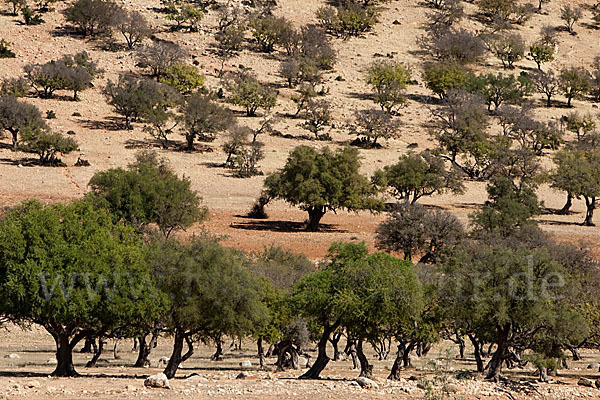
point(586, 382)
point(162, 362)
point(366, 383)
point(597, 383)
point(246, 364)
point(157, 381)
point(452, 388)
point(593, 366)
point(12, 356)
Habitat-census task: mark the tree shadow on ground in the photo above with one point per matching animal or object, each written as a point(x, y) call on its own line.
point(558, 223)
point(109, 124)
point(25, 162)
point(283, 226)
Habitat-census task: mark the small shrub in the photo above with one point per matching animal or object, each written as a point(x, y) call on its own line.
point(76, 114)
point(93, 17)
point(16, 87)
point(184, 78)
point(317, 115)
point(50, 114)
point(5, 51)
point(570, 16)
point(388, 81)
point(31, 18)
point(349, 19)
point(248, 92)
point(48, 146)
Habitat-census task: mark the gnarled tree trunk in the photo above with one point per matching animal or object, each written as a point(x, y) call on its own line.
point(322, 359)
point(176, 357)
point(366, 369)
point(97, 353)
point(395, 373)
point(315, 213)
point(590, 203)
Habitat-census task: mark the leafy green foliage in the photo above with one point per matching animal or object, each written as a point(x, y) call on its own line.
point(418, 175)
point(371, 125)
point(541, 53)
point(148, 191)
point(574, 82)
point(203, 118)
point(510, 207)
point(248, 92)
point(5, 51)
point(211, 292)
point(75, 271)
point(47, 145)
point(184, 78)
point(512, 297)
point(414, 230)
point(322, 181)
point(349, 19)
point(17, 118)
point(92, 17)
point(578, 172)
point(388, 81)
point(442, 77)
point(159, 57)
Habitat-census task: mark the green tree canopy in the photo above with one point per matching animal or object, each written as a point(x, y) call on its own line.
point(73, 270)
point(148, 191)
point(418, 175)
point(211, 292)
point(321, 181)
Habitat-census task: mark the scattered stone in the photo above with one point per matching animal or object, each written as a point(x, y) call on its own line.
point(421, 385)
point(12, 356)
point(246, 364)
point(396, 22)
point(157, 381)
point(242, 375)
point(597, 383)
point(52, 361)
point(465, 375)
point(586, 382)
point(593, 366)
point(452, 388)
point(303, 362)
point(33, 385)
point(366, 383)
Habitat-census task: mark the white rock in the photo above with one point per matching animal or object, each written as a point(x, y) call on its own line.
point(12, 356)
point(52, 361)
point(157, 381)
point(246, 364)
point(366, 383)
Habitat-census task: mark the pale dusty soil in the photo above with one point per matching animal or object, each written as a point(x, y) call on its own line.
point(201, 378)
point(105, 145)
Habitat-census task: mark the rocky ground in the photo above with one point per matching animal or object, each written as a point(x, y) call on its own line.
point(26, 359)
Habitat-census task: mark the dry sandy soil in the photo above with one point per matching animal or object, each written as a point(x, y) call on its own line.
point(104, 143)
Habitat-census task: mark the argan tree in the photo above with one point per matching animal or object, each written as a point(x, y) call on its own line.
point(211, 293)
point(388, 81)
point(73, 269)
point(203, 118)
point(148, 192)
point(371, 125)
point(248, 92)
point(17, 117)
point(574, 82)
point(323, 181)
point(418, 175)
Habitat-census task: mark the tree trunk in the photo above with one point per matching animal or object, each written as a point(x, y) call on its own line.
point(548, 101)
point(322, 358)
point(567, 207)
point(261, 352)
point(461, 346)
point(128, 122)
point(590, 203)
point(395, 373)
point(335, 340)
point(15, 140)
point(315, 213)
point(494, 367)
point(477, 352)
point(189, 139)
point(366, 369)
point(97, 353)
point(218, 356)
point(64, 354)
point(89, 345)
point(143, 352)
point(175, 359)
point(406, 361)
point(116, 350)
point(575, 353)
point(145, 349)
point(543, 374)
